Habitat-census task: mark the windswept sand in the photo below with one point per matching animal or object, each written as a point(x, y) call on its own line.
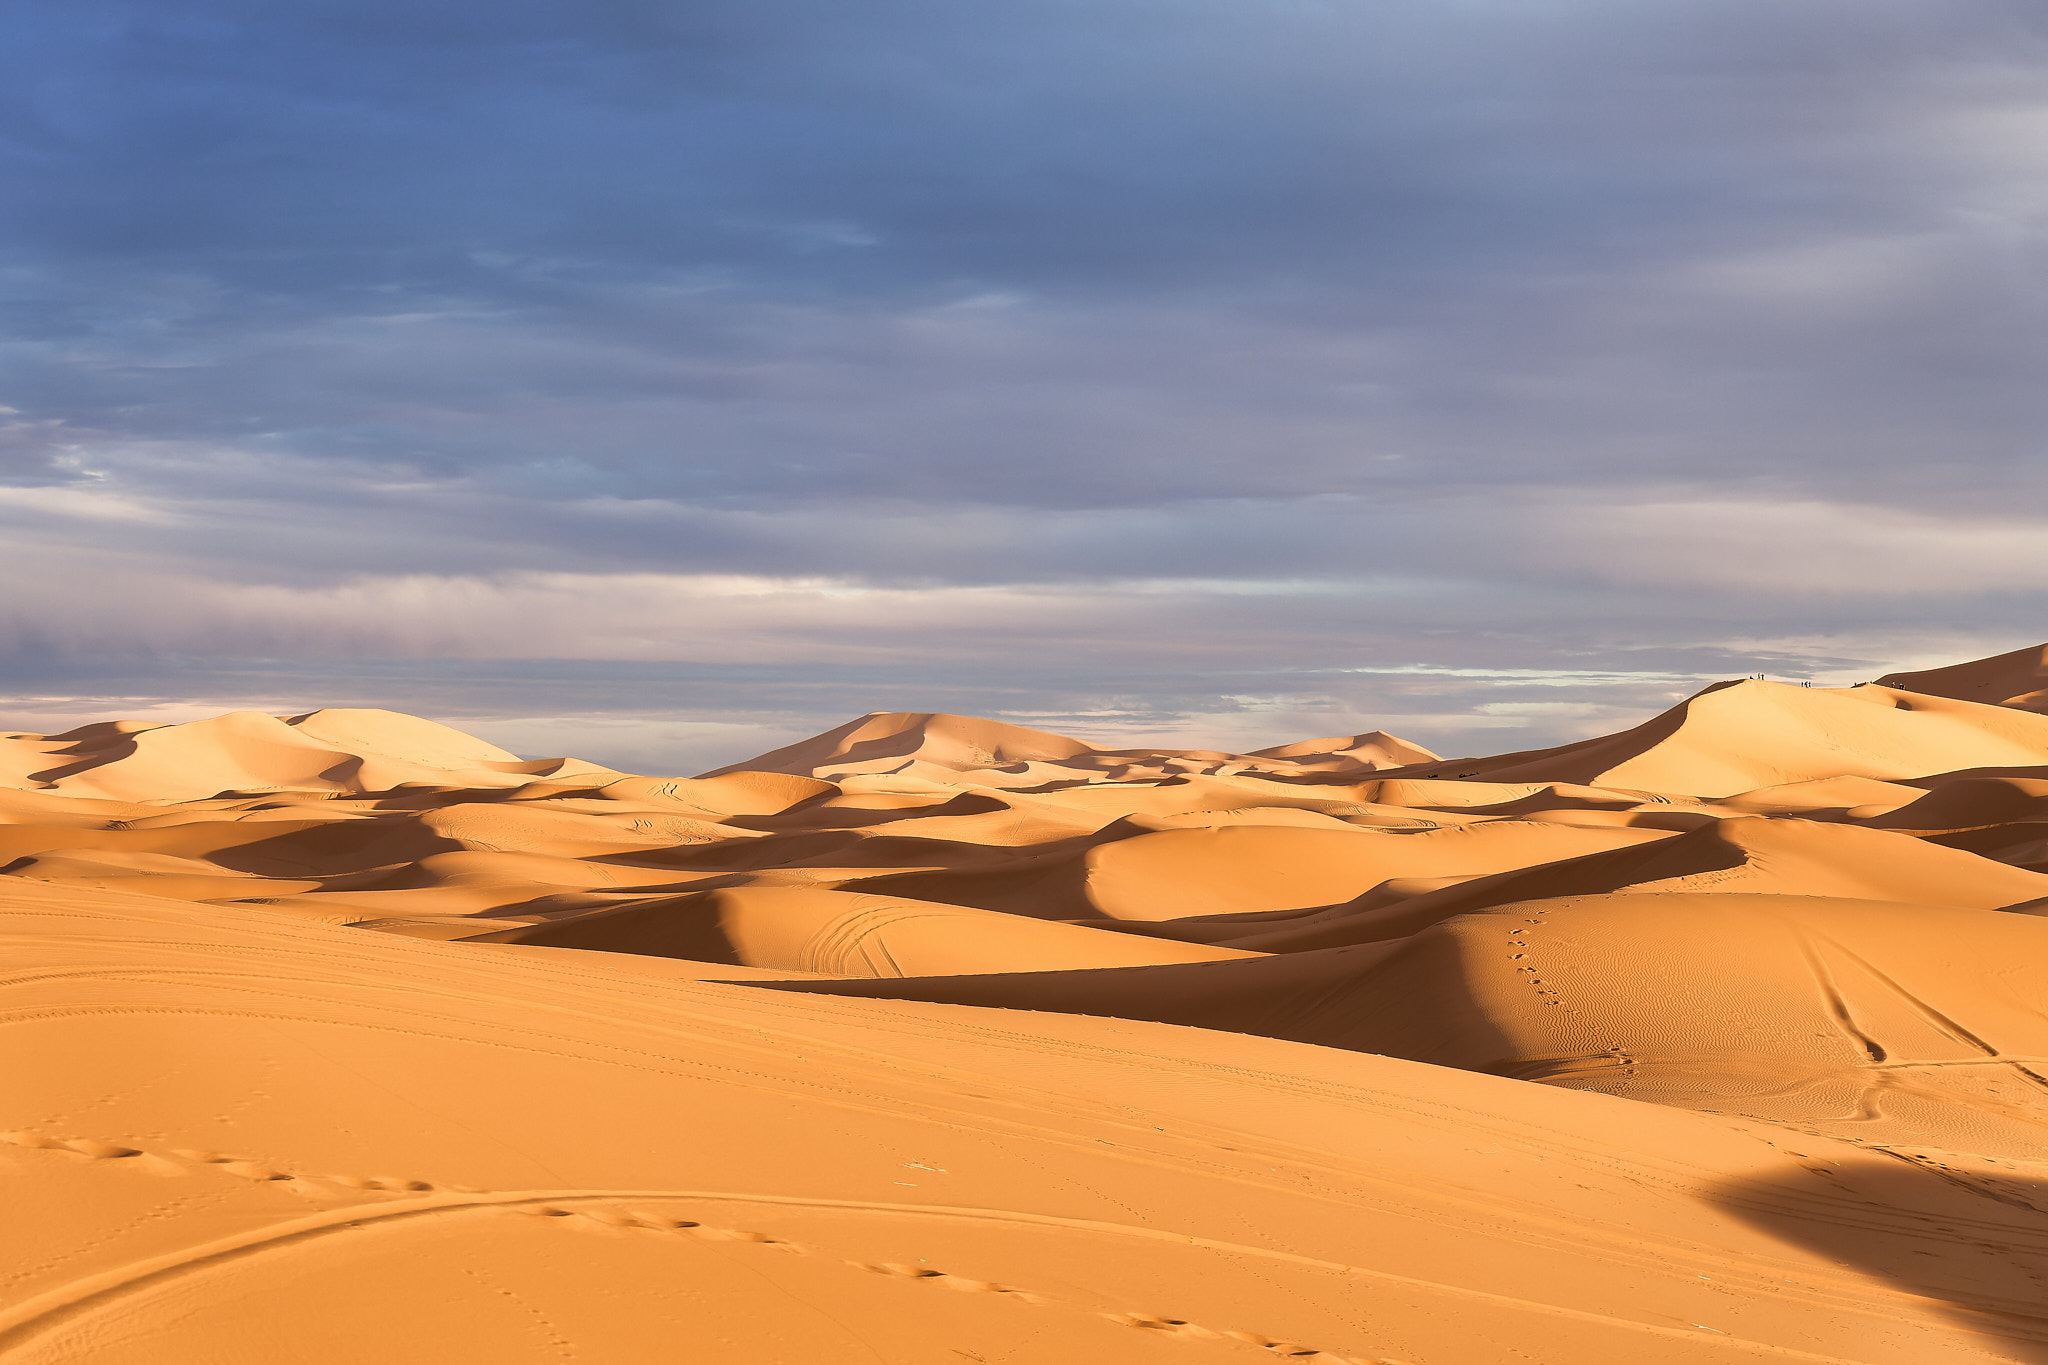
point(347, 1037)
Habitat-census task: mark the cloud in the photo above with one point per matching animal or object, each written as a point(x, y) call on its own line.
point(1609, 339)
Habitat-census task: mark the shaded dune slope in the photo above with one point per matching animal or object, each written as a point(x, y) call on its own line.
point(2018, 679)
point(1891, 1023)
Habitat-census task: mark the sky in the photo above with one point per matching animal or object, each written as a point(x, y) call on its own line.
point(660, 381)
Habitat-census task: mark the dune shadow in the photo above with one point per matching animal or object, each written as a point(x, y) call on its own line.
point(1974, 1243)
point(1405, 998)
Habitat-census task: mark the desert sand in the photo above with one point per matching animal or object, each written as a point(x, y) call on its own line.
point(348, 1037)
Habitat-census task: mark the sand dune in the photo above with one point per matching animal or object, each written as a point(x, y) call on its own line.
point(839, 933)
point(1875, 1022)
point(923, 744)
point(249, 752)
point(1236, 869)
point(345, 1036)
point(2018, 679)
point(1749, 853)
point(1738, 736)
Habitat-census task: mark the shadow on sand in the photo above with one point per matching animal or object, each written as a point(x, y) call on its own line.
point(1973, 1243)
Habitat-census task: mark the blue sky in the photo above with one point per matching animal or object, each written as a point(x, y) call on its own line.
point(662, 381)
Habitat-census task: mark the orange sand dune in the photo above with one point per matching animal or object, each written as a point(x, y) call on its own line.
point(836, 933)
point(923, 744)
point(1778, 856)
point(1910, 1026)
point(1738, 736)
point(1233, 868)
point(2018, 679)
point(246, 751)
point(348, 1037)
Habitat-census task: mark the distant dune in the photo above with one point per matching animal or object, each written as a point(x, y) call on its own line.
point(348, 1037)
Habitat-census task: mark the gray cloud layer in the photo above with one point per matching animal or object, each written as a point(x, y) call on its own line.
point(1209, 348)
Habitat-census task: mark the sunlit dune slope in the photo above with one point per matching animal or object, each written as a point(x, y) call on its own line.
point(334, 750)
point(1737, 736)
point(346, 1036)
